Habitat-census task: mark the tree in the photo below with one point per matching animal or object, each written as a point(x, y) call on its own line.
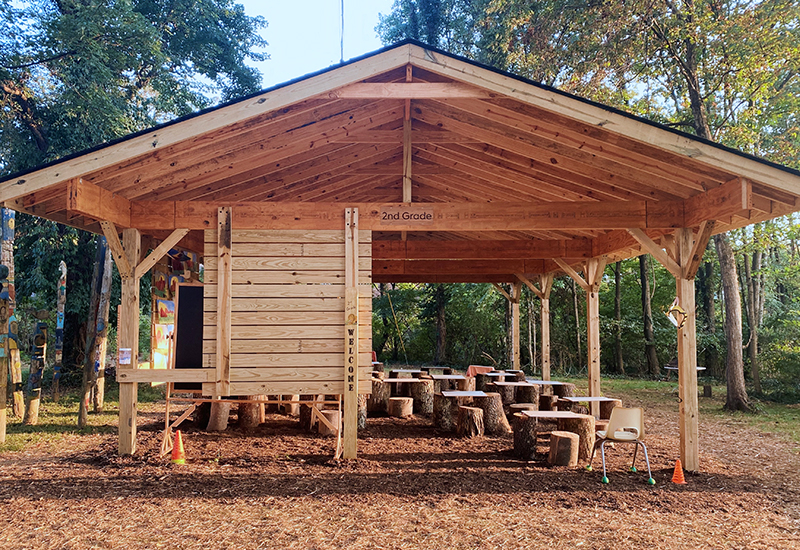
point(78, 73)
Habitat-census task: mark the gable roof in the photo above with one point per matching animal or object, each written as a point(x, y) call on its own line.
point(531, 172)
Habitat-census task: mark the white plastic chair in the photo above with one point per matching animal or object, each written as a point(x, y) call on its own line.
point(624, 426)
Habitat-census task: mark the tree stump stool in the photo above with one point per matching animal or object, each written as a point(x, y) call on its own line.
point(332, 416)
point(422, 395)
point(547, 402)
point(563, 448)
point(305, 415)
point(470, 422)
point(565, 390)
point(481, 380)
point(494, 418)
point(445, 412)
point(380, 375)
point(378, 402)
point(447, 370)
point(584, 427)
point(362, 411)
point(525, 436)
point(378, 367)
point(401, 407)
point(606, 406)
point(467, 384)
point(506, 392)
point(519, 377)
point(527, 394)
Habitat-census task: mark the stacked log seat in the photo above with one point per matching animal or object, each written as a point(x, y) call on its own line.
point(564, 448)
point(401, 407)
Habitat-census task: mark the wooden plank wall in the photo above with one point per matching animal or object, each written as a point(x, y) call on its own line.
point(287, 311)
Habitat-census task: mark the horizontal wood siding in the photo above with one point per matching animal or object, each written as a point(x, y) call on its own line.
point(287, 311)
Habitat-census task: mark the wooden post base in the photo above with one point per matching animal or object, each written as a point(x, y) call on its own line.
point(494, 418)
point(445, 412)
point(422, 394)
point(525, 436)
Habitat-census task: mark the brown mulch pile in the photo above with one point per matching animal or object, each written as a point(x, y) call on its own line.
point(412, 487)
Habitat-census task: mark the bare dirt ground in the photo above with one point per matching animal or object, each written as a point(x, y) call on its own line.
point(412, 487)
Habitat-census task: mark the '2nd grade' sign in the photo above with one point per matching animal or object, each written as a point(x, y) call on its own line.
point(397, 215)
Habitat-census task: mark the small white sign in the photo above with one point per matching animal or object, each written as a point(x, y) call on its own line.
point(125, 356)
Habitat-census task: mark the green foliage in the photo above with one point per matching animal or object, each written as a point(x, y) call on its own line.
point(77, 73)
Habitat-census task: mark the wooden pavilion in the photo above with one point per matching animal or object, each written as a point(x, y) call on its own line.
point(408, 164)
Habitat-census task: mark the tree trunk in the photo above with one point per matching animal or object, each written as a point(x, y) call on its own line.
point(619, 366)
point(754, 296)
point(91, 332)
point(99, 393)
point(439, 357)
point(647, 315)
point(705, 280)
point(734, 368)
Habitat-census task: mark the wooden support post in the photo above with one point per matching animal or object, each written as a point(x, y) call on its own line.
point(350, 431)
point(128, 337)
point(687, 355)
point(684, 251)
point(546, 283)
point(224, 273)
point(516, 292)
point(594, 274)
point(593, 271)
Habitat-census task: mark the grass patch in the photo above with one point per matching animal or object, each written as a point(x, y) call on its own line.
point(57, 421)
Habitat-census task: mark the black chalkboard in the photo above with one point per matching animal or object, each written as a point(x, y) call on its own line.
point(188, 331)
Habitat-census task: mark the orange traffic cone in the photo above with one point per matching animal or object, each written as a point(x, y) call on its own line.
point(677, 477)
point(178, 456)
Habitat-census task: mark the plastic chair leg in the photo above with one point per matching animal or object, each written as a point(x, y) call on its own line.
point(603, 456)
point(650, 479)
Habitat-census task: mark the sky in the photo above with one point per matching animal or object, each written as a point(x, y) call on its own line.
point(303, 35)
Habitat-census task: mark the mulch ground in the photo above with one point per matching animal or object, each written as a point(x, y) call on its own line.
point(412, 487)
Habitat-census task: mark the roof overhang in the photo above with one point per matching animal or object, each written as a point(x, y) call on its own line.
point(502, 175)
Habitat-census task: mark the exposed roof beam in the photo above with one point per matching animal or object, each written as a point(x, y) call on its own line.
point(482, 249)
point(408, 90)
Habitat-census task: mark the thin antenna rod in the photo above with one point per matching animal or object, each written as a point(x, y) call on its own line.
point(341, 37)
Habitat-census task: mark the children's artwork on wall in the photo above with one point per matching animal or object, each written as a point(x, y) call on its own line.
point(160, 286)
point(165, 312)
point(161, 345)
point(173, 283)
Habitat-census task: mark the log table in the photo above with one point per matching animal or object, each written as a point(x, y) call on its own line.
point(444, 382)
point(401, 388)
point(606, 403)
point(510, 391)
point(568, 421)
point(446, 405)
